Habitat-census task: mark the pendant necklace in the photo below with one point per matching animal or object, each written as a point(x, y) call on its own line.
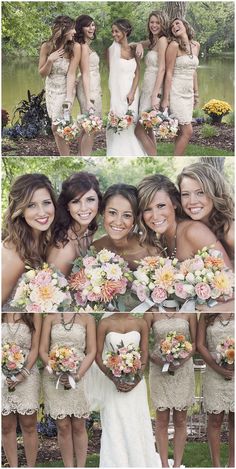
point(225, 322)
point(173, 253)
point(68, 325)
point(169, 315)
point(10, 329)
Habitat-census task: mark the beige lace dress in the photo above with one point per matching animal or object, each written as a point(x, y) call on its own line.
point(181, 93)
point(218, 393)
point(25, 398)
point(149, 79)
point(60, 402)
point(95, 86)
point(171, 391)
point(55, 88)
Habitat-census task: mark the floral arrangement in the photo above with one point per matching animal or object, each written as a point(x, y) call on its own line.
point(98, 279)
point(204, 277)
point(155, 279)
point(42, 291)
point(216, 107)
point(168, 129)
point(151, 118)
point(63, 359)
point(117, 123)
point(225, 352)
point(69, 131)
point(13, 360)
point(165, 126)
point(89, 122)
point(124, 363)
point(174, 348)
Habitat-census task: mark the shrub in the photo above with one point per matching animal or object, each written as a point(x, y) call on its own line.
point(208, 131)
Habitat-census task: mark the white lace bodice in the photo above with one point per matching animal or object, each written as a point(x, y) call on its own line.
point(163, 326)
point(76, 337)
point(115, 338)
point(216, 332)
point(185, 66)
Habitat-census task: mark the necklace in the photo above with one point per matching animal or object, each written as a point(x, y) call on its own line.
point(173, 253)
point(13, 334)
point(225, 323)
point(169, 315)
point(68, 325)
point(188, 51)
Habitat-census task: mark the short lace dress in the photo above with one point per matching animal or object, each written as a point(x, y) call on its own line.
point(55, 88)
point(95, 86)
point(149, 79)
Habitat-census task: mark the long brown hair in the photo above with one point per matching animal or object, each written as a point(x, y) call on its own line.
point(27, 318)
point(189, 31)
point(61, 26)
point(164, 21)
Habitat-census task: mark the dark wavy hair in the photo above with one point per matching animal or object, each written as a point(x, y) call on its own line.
point(210, 318)
point(61, 26)
point(164, 21)
point(189, 31)
point(127, 191)
point(27, 318)
point(147, 189)
point(76, 185)
point(16, 231)
point(81, 22)
point(124, 25)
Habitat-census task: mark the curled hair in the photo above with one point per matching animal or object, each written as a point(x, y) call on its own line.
point(27, 318)
point(127, 191)
point(75, 186)
point(61, 26)
point(17, 232)
point(124, 25)
point(82, 22)
point(189, 31)
point(217, 189)
point(147, 189)
point(164, 22)
point(210, 318)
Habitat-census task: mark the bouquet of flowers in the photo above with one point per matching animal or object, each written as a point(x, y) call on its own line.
point(155, 279)
point(168, 128)
point(117, 123)
point(204, 277)
point(42, 291)
point(13, 360)
point(151, 118)
point(89, 122)
point(124, 363)
point(67, 130)
point(98, 279)
point(174, 348)
point(165, 126)
point(63, 359)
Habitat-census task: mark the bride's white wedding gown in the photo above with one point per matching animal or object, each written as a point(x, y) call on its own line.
point(121, 77)
point(127, 437)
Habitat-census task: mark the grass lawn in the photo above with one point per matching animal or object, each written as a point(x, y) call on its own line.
point(167, 149)
point(195, 455)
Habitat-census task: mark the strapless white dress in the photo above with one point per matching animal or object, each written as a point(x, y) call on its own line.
point(127, 437)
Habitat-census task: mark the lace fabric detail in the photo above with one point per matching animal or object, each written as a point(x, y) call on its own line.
point(149, 79)
point(55, 88)
point(171, 391)
point(181, 93)
point(218, 393)
point(95, 86)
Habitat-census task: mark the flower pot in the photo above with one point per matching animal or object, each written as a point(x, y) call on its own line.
point(216, 118)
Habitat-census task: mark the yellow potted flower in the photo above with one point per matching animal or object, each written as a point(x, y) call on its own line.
point(216, 109)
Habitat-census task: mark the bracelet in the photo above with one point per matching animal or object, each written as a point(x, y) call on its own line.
point(67, 101)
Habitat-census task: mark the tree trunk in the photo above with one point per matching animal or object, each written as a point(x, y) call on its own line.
point(218, 162)
point(176, 9)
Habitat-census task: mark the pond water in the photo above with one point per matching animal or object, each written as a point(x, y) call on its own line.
point(215, 76)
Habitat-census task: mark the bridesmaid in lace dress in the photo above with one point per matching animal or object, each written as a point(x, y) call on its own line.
point(171, 392)
point(181, 88)
point(76, 220)
point(154, 74)
point(218, 387)
point(69, 407)
point(88, 88)
point(22, 403)
point(27, 228)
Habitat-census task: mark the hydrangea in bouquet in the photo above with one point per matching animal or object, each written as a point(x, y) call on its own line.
point(63, 360)
point(119, 123)
point(42, 291)
point(89, 122)
point(13, 360)
point(225, 353)
point(124, 362)
point(204, 277)
point(174, 348)
point(99, 279)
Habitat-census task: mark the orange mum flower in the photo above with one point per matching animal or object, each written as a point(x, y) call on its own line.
point(77, 280)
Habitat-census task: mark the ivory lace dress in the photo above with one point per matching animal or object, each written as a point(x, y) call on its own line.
point(55, 88)
point(218, 393)
point(149, 79)
point(95, 86)
point(60, 402)
point(171, 391)
point(181, 93)
point(25, 398)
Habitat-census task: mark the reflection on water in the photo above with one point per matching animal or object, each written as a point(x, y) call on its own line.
point(215, 77)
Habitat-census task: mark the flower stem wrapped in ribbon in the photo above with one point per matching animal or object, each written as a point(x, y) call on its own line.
point(124, 363)
point(174, 348)
point(63, 360)
point(13, 360)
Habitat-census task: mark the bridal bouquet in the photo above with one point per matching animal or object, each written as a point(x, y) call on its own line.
point(151, 118)
point(117, 123)
point(204, 277)
point(174, 348)
point(98, 279)
point(165, 126)
point(63, 359)
point(13, 360)
point(124, 363)
point(155, 279)
point(89, 122)
point(42, 291)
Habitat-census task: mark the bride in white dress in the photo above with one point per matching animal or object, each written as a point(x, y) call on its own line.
point(127, 437)
point(124, 93)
